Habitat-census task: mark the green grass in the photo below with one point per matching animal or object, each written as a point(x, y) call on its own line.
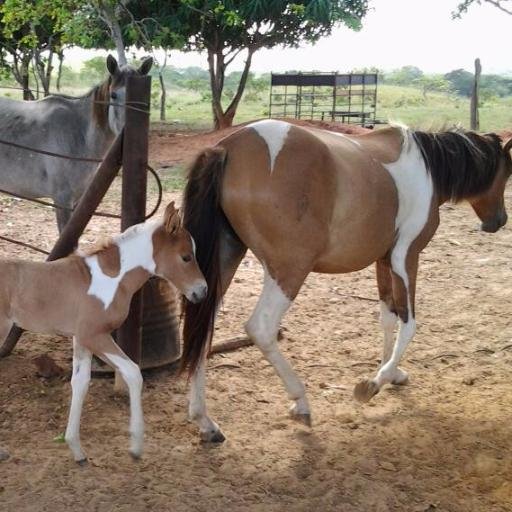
point(187, 109)
point(172, 179)
point(405, 104)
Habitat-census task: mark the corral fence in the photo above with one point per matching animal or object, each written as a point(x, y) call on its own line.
point(157, 323)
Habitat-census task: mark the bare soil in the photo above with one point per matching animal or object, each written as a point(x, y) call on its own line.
point(442, 443)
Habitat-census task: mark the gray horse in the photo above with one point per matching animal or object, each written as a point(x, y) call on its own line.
point(81, 127)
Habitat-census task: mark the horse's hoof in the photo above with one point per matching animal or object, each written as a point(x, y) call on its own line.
point(305, 419)
point(401, 378)
point(135, 455)
point(82, 462)
point(215, 436)
point(365, 390)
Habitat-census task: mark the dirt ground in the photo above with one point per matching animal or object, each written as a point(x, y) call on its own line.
point(442, 443)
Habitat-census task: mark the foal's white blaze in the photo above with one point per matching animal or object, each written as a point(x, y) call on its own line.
point(135, 250)
point(263, 327)
point(274, 133)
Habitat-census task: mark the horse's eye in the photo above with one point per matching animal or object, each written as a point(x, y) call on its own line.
point(187, 258)
point(113, 95)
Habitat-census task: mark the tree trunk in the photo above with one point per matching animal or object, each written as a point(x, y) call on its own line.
point(217, 68)
point(109, 17)
point(162, 96)
point(59, 73)
point(20, 71)
point(44, 70)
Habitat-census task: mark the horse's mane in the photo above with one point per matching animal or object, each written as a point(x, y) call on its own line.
point(462, 163)
point(100, 96)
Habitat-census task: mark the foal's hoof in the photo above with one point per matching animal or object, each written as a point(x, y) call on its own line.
point(365, 390)
point(82, 462)
point(215, 436)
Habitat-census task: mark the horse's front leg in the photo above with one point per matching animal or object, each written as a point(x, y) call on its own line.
point(209, 430)
point(403, 285)
point(388, 317)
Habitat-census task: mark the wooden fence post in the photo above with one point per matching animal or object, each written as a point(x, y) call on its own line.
point(475, 119)
point(133, 201)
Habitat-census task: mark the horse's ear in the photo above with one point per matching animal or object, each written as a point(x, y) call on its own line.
point(172, 219)
point(508, 145)
point(112, 65)
point(145, 66)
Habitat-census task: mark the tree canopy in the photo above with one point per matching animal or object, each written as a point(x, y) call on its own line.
point(225, 29)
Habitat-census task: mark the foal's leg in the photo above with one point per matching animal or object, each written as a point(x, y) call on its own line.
point(79, 385)
point(232, 252)
point(263, 327)
point(109, 351)
point(403, 285)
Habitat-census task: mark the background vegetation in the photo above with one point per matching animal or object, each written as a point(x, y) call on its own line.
point(406, 94)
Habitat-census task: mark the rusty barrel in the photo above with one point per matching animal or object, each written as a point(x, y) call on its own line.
point(160, 324)
point(160, 327)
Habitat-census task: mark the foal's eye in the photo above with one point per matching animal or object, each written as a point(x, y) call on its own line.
point(187, 258)
point(113, 95)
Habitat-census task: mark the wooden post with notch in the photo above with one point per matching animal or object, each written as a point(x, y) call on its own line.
point(133, 200)
point(475, 120)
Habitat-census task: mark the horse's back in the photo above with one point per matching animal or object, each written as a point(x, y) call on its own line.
point(317, 194)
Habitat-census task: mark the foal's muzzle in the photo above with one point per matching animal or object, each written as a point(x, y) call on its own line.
point(197, 293)
point(491, 226)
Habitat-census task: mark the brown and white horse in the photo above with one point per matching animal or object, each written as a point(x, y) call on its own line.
point(307, 200)
point(88, 296)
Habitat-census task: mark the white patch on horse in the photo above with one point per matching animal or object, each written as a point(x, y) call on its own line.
point(263, 327)
point(415, 190)
point(193, 245)
point(388, 321)
point(274, 133)
point(135, 250)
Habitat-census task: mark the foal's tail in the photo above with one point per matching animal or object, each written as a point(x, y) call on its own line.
point(203, 218)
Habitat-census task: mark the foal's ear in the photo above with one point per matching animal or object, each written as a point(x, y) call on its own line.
point(112, 65)
point(145, 66)
point(172, 219)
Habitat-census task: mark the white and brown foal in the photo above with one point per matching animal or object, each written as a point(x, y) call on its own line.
point(308, 200)
point(88, 296)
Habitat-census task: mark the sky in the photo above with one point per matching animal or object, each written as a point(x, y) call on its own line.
point(395, 33)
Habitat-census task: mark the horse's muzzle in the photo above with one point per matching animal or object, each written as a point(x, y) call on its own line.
point(491, 226)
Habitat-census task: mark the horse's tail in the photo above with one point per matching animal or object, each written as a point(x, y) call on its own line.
point(203, 218)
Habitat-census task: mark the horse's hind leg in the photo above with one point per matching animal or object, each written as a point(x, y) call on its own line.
point(263, 327)
point(79, 386)
point(232, 252)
